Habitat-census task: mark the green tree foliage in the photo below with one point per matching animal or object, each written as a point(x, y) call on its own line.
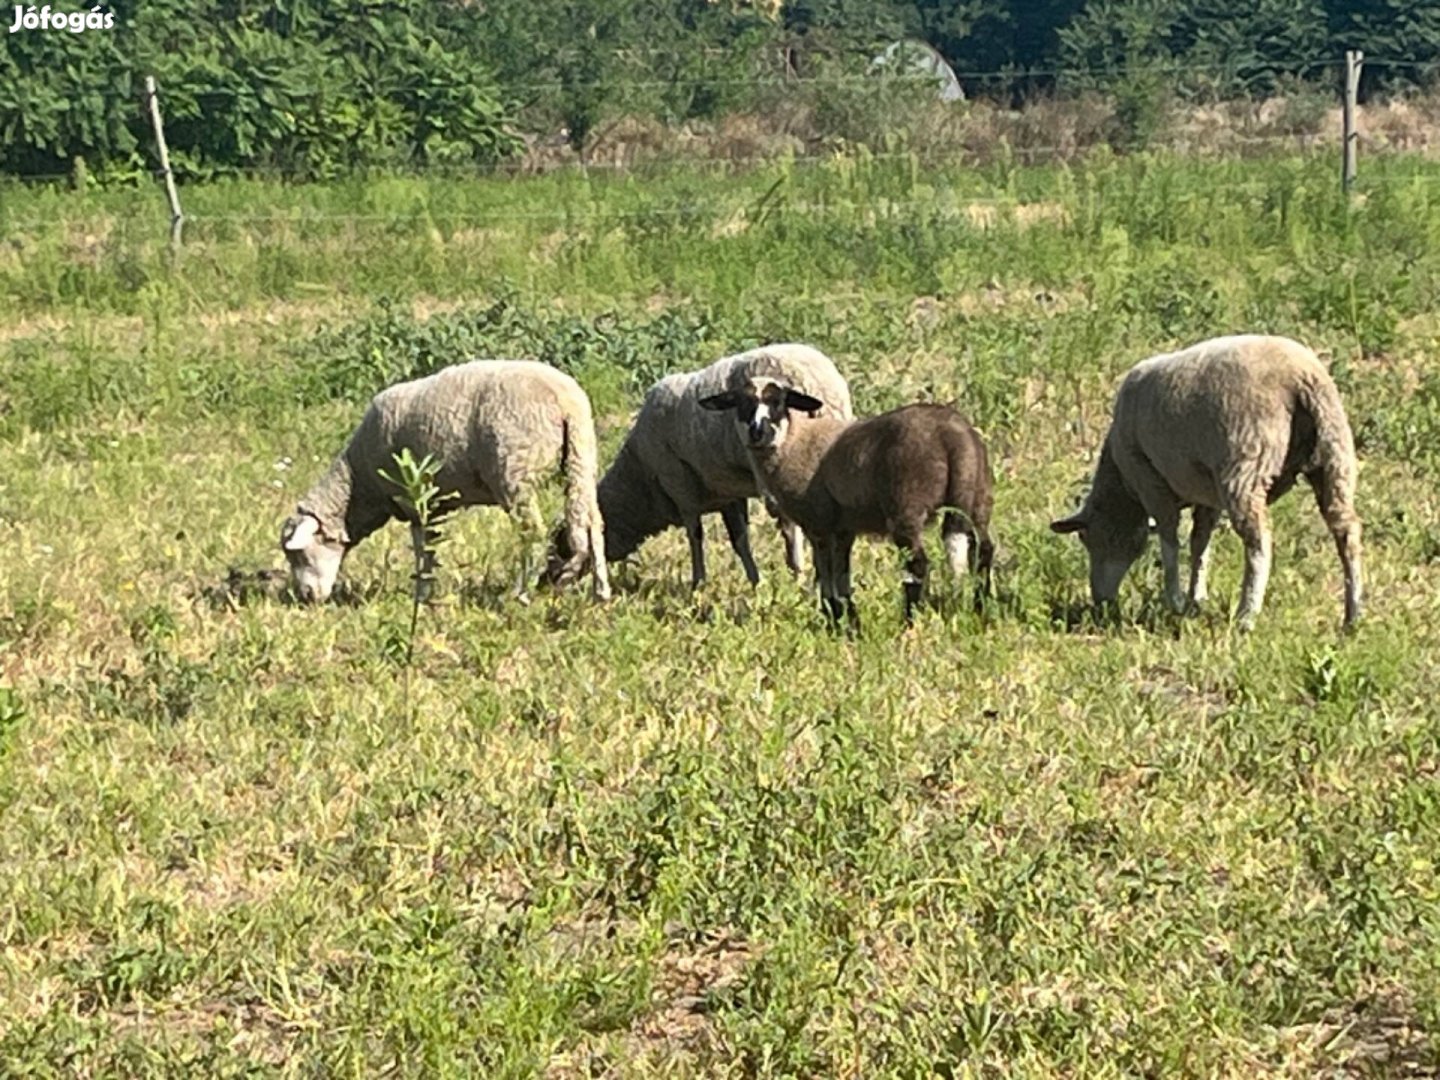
point(301, 85)
point(986, 36)
point(1219, 48)
point(819, 32)
point(317, 87)
point(1402, 38)
point(572, 63)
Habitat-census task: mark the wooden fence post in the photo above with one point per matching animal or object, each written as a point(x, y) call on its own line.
point(1353, 60)
point(177, 219)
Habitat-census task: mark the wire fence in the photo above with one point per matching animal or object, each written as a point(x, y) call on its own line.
point(644, 162)
point(620, 87)
point(981, 209)
point(1217, 137)
point(627, 160)
point(615, 86)
point(1199, 142)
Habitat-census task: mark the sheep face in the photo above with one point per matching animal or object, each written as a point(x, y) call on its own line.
point(313, 556)
point(1113, 544)
point(762, 409)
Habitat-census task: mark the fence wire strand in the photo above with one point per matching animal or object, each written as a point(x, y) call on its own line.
point(949, 156)
point(978, 208)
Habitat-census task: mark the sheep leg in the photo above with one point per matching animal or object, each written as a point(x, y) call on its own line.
point(984, 562)
point(1252, 523)
point(843, 544)
point(822, 575)
point(791, 534)
point(822, 549)
point(910, 539)
point(794, 546)
point(1202, 526)
point(736, 516)
point(1344, 526)
point(531, 523)
point(968, 548)
point(599, 567)
point(695, 533)
point(955, 531)
point(1161, 504)
point(1167, 525)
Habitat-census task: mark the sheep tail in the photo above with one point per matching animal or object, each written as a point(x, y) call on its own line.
point(1334, 459)
point(583, 523)
point(1333, 475)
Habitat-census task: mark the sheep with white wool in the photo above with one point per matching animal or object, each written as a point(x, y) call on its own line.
point(495, 428)
point(680, 461)
point(1228, 424)
point(885, 475)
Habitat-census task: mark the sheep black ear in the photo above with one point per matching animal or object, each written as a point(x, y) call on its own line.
point(719, 402)
point(1074, 523)
point(794, 399)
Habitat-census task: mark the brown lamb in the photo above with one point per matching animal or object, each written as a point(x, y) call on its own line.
point(888, 475)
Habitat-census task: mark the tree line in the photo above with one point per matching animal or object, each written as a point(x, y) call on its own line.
point(315, 88)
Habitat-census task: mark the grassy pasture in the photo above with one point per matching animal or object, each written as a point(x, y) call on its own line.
point(674, 836)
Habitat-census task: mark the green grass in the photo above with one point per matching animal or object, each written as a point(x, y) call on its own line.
point(673, 836)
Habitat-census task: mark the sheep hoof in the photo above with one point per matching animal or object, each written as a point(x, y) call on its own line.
point(567, 573)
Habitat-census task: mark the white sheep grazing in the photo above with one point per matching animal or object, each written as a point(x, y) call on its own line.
point(496, 428)
point(680, 461)
point(1228, 424)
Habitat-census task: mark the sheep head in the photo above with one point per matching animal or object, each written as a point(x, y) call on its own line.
point(314, 557)
point(762, 408)
point(1114, 533)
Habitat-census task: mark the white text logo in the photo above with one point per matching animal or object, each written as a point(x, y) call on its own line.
point(27, 18)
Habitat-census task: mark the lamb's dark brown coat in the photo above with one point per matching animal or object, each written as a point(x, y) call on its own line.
point(887, 475)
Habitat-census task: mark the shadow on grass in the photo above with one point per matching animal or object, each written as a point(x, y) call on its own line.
point(241, 588)
point(1152, 615)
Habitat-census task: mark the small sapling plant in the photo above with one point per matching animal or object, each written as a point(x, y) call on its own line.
point(421, 499)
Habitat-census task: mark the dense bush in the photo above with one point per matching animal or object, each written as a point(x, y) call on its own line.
point(354, 360)
point(302, 86)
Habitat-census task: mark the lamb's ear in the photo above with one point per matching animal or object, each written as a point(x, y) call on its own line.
point(802, 402)
point(299, 532)
point(1073, 523)
point(720, 402)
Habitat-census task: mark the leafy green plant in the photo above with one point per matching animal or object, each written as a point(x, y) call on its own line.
point(422, 500)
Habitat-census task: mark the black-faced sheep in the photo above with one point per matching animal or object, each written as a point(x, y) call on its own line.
point(496, 428)
point(679, 461)
point(1228, 424)
point(887, 475)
